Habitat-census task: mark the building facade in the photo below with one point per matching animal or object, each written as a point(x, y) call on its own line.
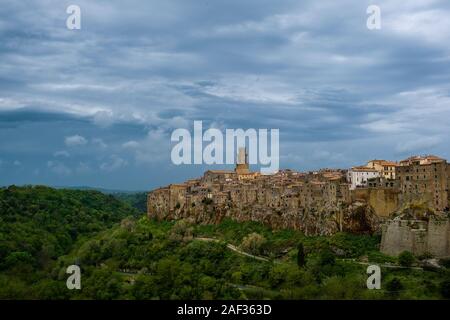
point(424, 178)
point(384, 167)
point(358, 176)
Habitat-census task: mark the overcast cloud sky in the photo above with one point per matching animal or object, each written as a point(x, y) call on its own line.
point(97, 106)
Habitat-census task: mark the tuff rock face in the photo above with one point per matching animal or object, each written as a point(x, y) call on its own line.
point(356, 218)
point(360, 218)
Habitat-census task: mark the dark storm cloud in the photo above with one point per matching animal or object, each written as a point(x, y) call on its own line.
point(31, 115)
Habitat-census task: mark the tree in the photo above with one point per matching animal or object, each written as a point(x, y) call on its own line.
point(394, 286)
point(301, 256)
point(19, 259)
point(406, 259)
point(445, 288)
point(327, 258)
point(128, 224)
point(253, 243)
point(182, 231)
point(102, 284)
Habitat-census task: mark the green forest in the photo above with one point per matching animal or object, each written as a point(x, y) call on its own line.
point(125, 255)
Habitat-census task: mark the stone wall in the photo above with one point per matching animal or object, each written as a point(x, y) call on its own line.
point(438, 234)
point(416, 236)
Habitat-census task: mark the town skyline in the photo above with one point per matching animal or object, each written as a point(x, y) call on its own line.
point(229, 167)
point(325, 198)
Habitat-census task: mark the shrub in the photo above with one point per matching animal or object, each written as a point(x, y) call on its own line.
point(378, 257)
point(207, 201)
point(406, 259)
point(425, 256)
point(327, 258)
point(445, 262)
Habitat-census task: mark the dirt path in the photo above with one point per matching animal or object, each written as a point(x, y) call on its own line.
point(235, 249)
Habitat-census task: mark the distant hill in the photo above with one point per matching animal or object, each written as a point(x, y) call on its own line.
point(103, 190)
point(137, 200)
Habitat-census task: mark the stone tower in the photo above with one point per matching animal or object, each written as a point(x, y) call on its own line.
point(242, 166)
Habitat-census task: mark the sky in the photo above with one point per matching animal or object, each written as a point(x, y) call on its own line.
point(97, 106)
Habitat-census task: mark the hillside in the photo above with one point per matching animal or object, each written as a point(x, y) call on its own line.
point(125, 255)
point(39, 224)
point(100, 189)
point(148, 259)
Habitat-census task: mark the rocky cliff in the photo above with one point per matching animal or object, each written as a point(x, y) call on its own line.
point(357, 217)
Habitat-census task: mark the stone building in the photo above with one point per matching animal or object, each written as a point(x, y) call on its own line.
point(424, 178)
point(221, 176)
point(358, 176)
point(385, 168)
point(242, 166)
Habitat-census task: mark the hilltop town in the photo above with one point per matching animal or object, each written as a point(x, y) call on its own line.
point(404, 199)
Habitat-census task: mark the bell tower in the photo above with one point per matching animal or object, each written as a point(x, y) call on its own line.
point(242, 166)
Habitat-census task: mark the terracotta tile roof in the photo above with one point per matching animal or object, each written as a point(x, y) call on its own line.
point(389, 163)
point(220, 171)
point(363, 168)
